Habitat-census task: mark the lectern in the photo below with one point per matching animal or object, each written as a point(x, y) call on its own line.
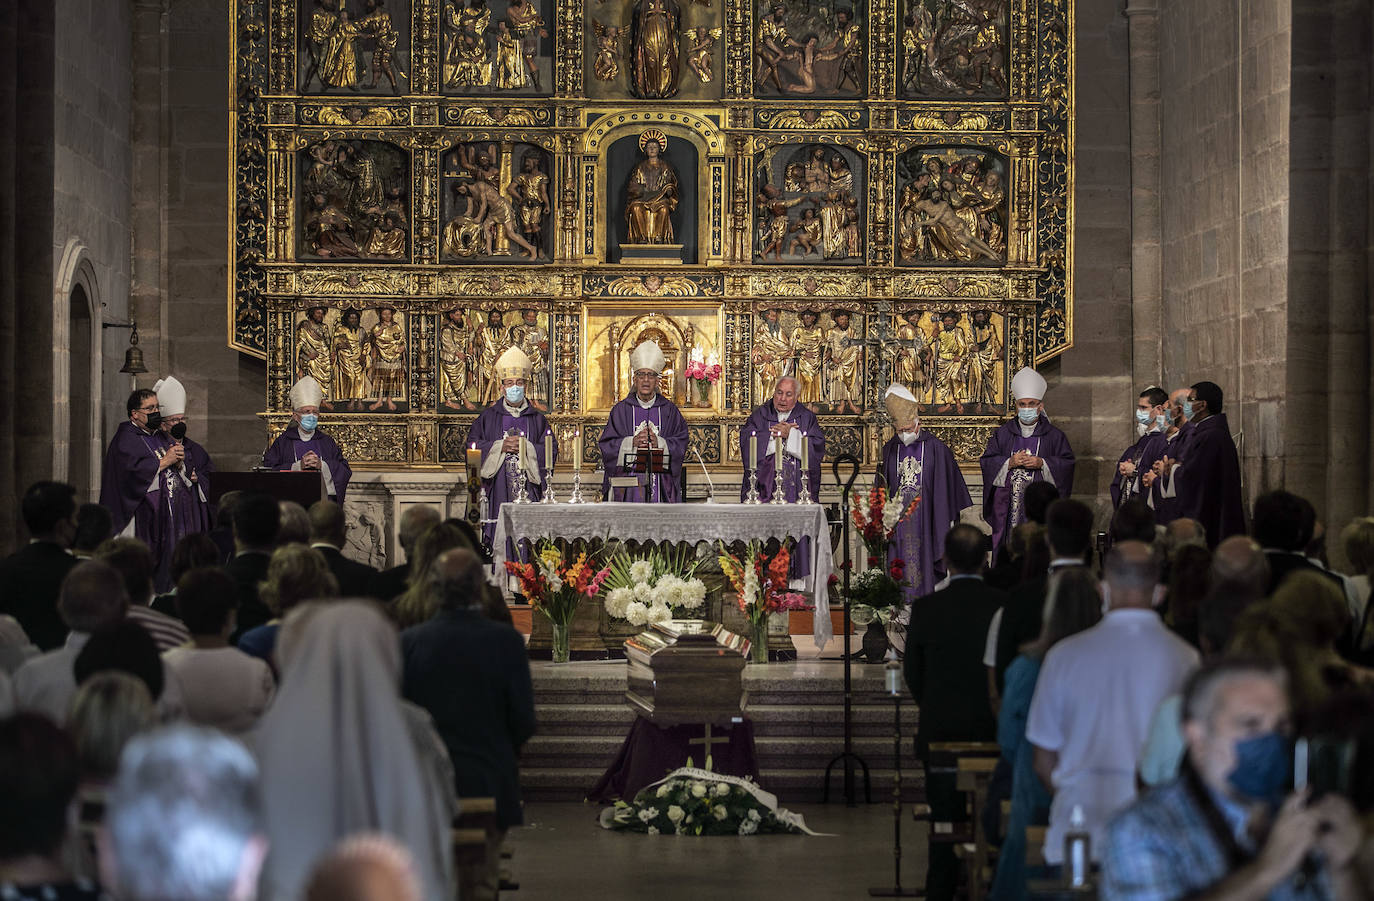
point(302, 487)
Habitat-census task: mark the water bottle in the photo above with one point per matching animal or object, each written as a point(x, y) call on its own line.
point(1077, 853)
point(892, 674)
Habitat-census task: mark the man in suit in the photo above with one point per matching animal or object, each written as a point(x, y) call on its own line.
point(944, 670)
point(1283, 525)
point(391, 583)
point(327, 537)
point(31, 577)
point(473, 677)
point(256, 520)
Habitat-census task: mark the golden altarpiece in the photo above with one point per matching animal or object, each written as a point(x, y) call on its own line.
point(847, 191)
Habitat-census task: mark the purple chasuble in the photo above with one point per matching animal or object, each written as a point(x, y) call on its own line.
point(131, 465)
point(627, 417)
point(1004, 505)
point(492, 427)
point(188, 505)
point(926, 468)
point(1208, 484)
point(764, 418)
point(288, 450)
point(1149, 448)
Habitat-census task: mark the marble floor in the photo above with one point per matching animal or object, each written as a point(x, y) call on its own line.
point(561, 853)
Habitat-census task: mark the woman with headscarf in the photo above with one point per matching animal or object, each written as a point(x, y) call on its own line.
point(341, 753)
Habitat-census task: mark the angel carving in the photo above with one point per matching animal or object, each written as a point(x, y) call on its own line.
point(609, 50)
point(701, 42)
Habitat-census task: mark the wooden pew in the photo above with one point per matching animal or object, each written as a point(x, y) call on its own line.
point(475, 847)
point(966, 760)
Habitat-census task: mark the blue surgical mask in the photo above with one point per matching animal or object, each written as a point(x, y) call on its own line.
point(1027, 414)
point(309, 421)
point(515, 394)
point(1143, 417)
point(1264, 768)
point(1187, 410)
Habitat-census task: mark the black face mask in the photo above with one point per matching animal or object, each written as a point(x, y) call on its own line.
point(179, 431)
point(154, 420)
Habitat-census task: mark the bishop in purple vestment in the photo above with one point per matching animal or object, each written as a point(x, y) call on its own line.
point(512, 436)
point(302, 446)
point(917, 464)
point(782, 422)
point(188, 485)
point(644, 420)
point(1025, 450)
point(1206, 482)
point(1150, 445)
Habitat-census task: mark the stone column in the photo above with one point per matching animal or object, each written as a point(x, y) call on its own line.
point(1147, 320)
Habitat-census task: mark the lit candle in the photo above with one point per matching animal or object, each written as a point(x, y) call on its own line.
point(753, 452)
point(548, 450)
point(577, 449)
point(474, 457)
point(804, 452)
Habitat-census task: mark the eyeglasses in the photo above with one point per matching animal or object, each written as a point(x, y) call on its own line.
point(153, 409)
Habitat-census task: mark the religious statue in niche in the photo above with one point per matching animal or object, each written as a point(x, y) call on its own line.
point(313, 356)
point(490, 341)
point(651, 194)
point(501, 48)
point(808, 205)
point(354, 201)
point(387, 352)
point(962, 368)
point(533, 339)
point(495, 213)
point(455, 352)
point(803, 49)
point(349, 348)
point(823, 349)
point(951, 207)
point(337, 42)
point(655, 56)
point(986, 367)
point(701, 42)
point(911, 354)
point(470, 343)
point(954, 48)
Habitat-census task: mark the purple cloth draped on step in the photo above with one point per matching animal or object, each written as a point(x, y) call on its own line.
point(651, 752)
point(919, 542)
point(289, 448)
point(1143, 454)
point(492, 427)
point(1004, 506)
point(1208, 483)
point(626, 418)
point(763, 419)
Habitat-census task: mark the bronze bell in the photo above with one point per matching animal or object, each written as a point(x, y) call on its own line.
point(133, 357)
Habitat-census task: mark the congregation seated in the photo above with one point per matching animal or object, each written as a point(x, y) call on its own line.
point(184, 819)
point(221, 686)
point(419, 602)
point(257, 519)
point(295, 524)
point(192, 552)
point(127, 647)
point(91, 598)
point(327, 537)
point(1283, 526)
point(31, 577)
point(348, 747)
point(1133, 521)
point(39, 774)
point(109, 709)
point(134, 563)
point(1190, 580)
point(296, 573)
point(390, 584)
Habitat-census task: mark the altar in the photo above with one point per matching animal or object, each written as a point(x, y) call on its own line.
point(673, 523)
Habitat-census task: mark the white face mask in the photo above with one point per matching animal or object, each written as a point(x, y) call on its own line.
point(909, 438)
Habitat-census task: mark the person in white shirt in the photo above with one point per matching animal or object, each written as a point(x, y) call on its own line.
point(92, 597)
point(221, 686)
point(1096, 694)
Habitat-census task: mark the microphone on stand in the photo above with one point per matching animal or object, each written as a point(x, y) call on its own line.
point(710, 486)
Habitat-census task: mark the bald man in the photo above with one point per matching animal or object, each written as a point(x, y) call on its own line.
point(390, 584)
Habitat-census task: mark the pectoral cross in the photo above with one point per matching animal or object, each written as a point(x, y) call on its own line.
point(707, 741)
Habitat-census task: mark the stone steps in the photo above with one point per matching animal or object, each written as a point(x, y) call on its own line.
point(797, 711)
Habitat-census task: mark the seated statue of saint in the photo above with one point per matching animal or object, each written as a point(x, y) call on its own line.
point(652, 193)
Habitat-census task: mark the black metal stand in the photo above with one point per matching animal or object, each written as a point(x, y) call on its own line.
point(847, 755)
point(896, 890)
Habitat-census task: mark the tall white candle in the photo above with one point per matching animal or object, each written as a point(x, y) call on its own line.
point(804, 451)
point(548, 449)
point(753, 451)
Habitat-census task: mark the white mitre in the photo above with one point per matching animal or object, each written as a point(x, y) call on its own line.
point(1028, 384)
point(171, 397)
point(901, 404)
point(648, 355)
point(306, 393)
point(514, 364)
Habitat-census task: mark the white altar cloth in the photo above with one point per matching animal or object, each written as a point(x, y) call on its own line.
point(679, 522)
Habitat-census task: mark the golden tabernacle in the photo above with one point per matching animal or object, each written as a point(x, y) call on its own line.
point(686, 671)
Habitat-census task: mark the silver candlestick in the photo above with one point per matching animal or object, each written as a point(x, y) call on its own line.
point(804, 492)
point(780, 463)
point(576, 496)
point(517, 475)
point(753, 496)
point(548, 487)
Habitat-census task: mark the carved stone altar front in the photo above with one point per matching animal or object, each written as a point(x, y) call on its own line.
point(849, 193)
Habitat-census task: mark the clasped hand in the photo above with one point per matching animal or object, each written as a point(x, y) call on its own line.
point(310, 461)
point(173, 456)
point(1025, 460)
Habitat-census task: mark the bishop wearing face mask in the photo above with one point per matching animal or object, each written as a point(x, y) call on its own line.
point(1027, 449)
point(1136, 461)
point(642, 421)
point(917, 464)
point(188, 479)
point(511, 434)
point(302, 447)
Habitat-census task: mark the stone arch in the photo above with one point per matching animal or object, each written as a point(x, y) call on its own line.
point(77, 371)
